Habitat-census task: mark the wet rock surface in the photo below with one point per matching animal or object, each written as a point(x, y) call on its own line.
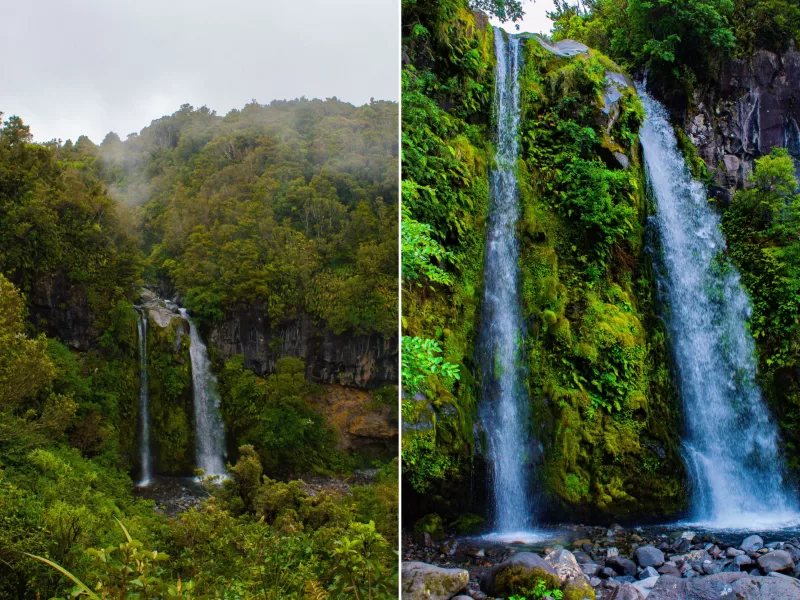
point(628, 564)
point(172, 495)
point(753, 107)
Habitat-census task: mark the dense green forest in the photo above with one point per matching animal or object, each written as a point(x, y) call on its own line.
point(290, 208)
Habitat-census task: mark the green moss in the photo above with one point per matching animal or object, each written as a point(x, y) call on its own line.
point(468, 523)
point(519, 580)
point(171, 407)
point(430, 524)
point(596, 350)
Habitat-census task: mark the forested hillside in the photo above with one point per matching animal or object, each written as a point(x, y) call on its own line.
point(285, 211)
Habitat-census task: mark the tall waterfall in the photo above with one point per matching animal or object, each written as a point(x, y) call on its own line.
point(730, 441)
point(504, 409)
point(144, 401)
point(209, 429)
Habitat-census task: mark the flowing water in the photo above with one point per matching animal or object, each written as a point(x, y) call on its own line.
point(504, 408)
point(209, 429)
point(730, 442)
point(144, 401)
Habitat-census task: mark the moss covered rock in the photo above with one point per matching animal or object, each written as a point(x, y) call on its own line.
point(421, 581)
point(519, 575)
point(171, 403)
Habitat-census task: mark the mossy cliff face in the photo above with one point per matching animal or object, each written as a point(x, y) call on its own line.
point(448, 83)
point(599, 383)
point(169, 370)
point(597, 366)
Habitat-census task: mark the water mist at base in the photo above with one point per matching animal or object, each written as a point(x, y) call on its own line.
point(730, 442)
point(504, 406)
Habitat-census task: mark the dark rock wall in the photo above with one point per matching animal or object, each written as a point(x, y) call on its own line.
point(752, 108)
point(365, 361)
point(62, 310)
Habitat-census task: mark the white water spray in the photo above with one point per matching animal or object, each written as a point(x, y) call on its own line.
point(144, 401)
point(730, 442)
point(504, 408)
point(209, 428)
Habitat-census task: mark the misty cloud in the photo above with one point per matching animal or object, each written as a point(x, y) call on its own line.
point(93, 66)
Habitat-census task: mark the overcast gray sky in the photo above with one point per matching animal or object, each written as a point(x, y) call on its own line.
point(94, 66)
point(535, 19)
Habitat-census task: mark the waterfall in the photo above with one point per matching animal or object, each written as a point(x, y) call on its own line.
point(504, 408)
point(144, 401)
point(209, 429)
point(730, 442)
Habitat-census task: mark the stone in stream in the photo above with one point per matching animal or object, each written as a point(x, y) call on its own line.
point(669, 569)
point(751, 543)
point(519, 573)
point(649, 556)
point(777, 560)
point(422, 581)
point(733, 552)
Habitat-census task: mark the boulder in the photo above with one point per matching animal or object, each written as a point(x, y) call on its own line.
point(649, 556)
point(421, 581)
point(777, 560)
point(518, 574)
point(699, 588)
point(751, 543)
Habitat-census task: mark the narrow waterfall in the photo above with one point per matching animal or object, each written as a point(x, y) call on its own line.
point(144, 401)
point(209, 429)
point(504, 408)
point(730, 441)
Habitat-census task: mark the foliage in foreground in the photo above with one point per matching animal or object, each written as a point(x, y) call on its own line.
point(760, 226)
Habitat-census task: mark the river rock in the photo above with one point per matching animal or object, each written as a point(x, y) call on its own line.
point(649, 556)
point(733, 552)
point(422, 581)
point(647, 573)
point(645, 586)
point(777, 560)
point(700, 588)
point(767, 588)
point(742, 561)
point(623, 566)
point(565, 566)
point(627, 591)
point(590, 569)
point(751, 543)
point(520, 572)
point(670, 569)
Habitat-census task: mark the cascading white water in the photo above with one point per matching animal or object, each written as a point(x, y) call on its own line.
point(730, 441)
point(209, 429)
point(144, 401)
point(504, 407)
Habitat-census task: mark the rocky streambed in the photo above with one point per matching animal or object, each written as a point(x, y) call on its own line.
point(615, 563)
